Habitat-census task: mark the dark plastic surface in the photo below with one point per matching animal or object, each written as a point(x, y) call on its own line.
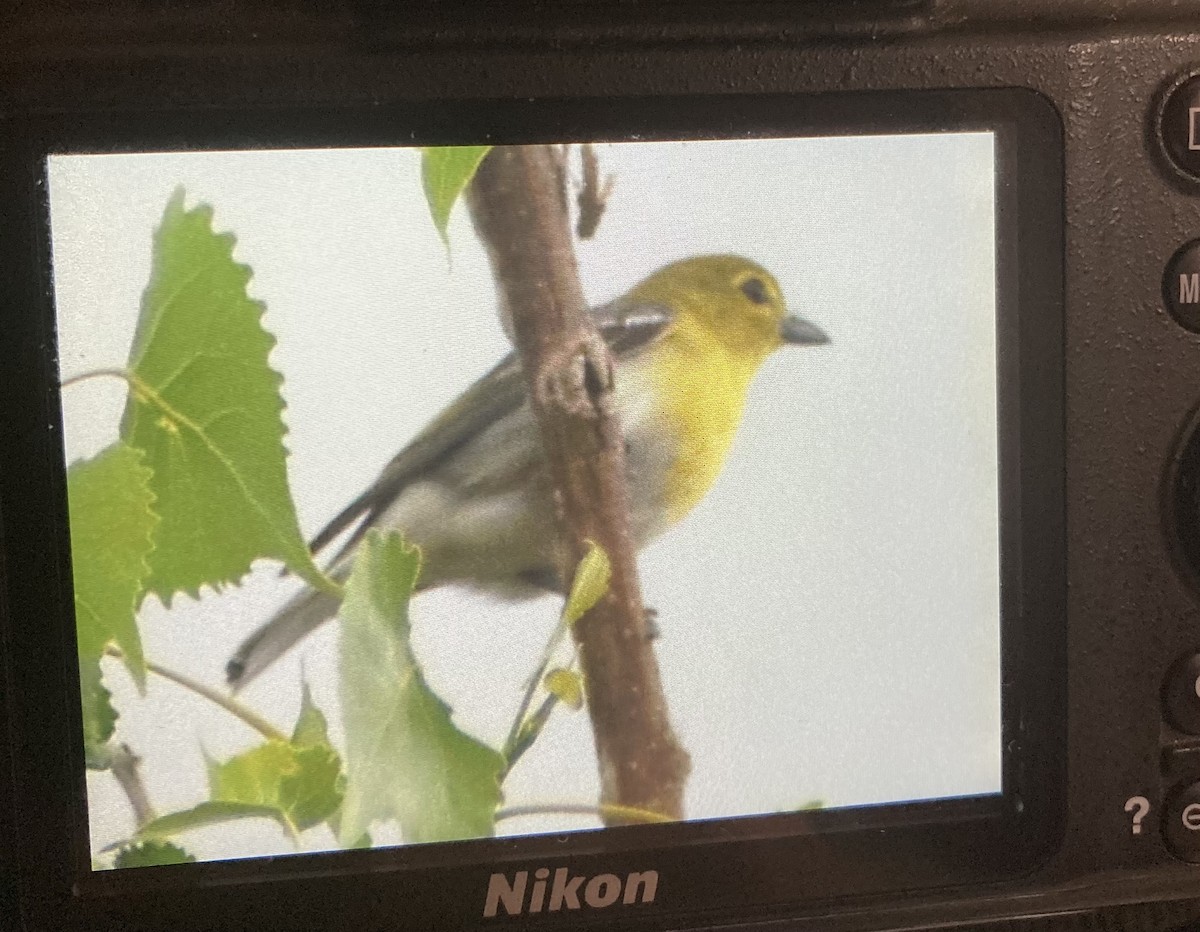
point(1181, 695)
point(1131, 369)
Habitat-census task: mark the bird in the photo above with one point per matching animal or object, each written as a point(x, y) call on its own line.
point(472, 489)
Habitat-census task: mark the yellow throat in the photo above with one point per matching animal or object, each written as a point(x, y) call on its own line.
point(728, 314)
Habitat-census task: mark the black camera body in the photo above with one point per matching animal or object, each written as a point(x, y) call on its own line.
point(1096, 108)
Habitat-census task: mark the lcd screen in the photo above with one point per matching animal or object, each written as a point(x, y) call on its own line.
point(248, 338)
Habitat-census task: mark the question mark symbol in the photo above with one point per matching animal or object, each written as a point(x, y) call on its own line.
point(1140, 807)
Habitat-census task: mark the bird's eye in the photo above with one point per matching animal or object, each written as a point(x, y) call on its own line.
point(755, 290)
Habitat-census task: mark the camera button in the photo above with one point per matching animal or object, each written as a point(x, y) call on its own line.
point(1179, 125)
point(1181, 286)
point(1181, 823)
point(1181, 695)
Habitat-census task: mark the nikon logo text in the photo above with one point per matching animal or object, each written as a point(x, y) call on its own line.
point(566, 891)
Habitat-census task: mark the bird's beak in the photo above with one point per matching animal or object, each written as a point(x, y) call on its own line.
point(800, 332)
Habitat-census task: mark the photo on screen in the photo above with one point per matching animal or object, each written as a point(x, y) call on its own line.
point(254, 343)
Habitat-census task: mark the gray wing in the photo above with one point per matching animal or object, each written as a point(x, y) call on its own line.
point(627, 328)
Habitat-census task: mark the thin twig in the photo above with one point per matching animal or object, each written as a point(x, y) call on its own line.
point(228, 703)
point(122, 374)
point(527, 733)
point(124, 765)
point(534, 681)
point(606, 811)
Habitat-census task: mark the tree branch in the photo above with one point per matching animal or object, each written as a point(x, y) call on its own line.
point(124, 764)
point(519, 205)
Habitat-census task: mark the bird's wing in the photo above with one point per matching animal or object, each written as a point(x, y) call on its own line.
point(492, 396)
point(626, 328)
point(629, 328)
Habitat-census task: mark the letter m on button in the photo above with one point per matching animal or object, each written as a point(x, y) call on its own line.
point(1189, 288)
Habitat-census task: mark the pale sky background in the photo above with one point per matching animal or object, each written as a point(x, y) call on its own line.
point(829, 614)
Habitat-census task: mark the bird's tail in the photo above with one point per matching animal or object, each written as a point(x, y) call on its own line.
point(304, 613)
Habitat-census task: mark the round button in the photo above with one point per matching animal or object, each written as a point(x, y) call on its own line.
point(1181, 695)
point(1181, 823)
point(1181, 503)
point(1179, 125)
point(1181, 286)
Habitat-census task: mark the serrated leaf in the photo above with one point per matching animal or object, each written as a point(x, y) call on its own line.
point(566, 686)
point(445, 173)
point(152, 854)
point(210, 813)
point(206, 409)
point(301, 778)
point(405, 759)
point(589, 585)
point(99, 716)
point(112, 527)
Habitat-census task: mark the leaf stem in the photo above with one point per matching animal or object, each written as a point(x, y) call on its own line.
point(124, 374)
point(531, 726)
point(228, 703)
point(603, 810)
point(516, 734)
point(591, 579)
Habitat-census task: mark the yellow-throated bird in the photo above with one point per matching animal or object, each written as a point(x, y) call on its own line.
point(472, 488)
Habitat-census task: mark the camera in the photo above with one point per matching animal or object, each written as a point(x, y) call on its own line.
point(645, 466)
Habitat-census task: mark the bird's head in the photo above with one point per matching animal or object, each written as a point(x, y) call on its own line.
point(734, 300)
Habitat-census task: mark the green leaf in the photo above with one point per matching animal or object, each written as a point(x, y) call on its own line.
point(99, 716)
point(314, 791)
point(252, 776)
point(302, 778)
point(311, 727)
point(152, 854)
point(445, 172)
point(405, 759)
point(210, 813)
point(590, 583)
point(566, 686)
point(112, 527)
point(206, 409)
point(362, 841)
